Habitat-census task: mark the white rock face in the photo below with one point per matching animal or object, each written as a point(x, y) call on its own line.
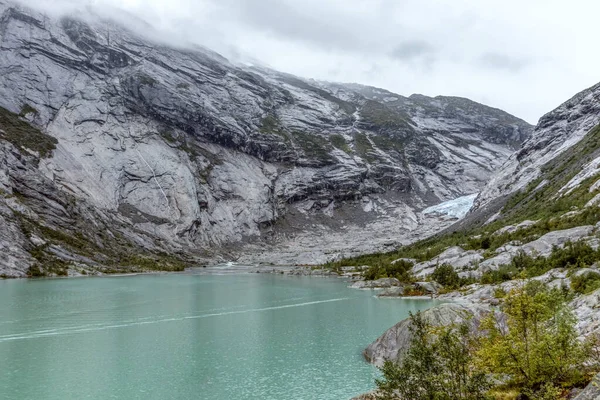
point(203, 155)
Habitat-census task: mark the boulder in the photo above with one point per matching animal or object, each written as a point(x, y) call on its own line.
point(455, 256)
point(431, 287)
point(586, 311)
point(409, 260)
point(543, 246)
point(397, 291)
point(514, 228)
point(395, 342)
point(377, 284)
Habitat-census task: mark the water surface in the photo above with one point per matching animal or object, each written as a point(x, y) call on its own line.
point(189, 336)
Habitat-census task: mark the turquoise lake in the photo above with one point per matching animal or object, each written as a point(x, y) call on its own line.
point(193, 335)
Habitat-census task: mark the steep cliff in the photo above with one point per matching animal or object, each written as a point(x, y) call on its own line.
point(147, 148)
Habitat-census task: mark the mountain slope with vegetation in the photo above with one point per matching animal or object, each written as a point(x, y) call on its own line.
point(533, 235)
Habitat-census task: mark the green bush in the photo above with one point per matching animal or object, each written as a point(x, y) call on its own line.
point(446, 276)
point(438, 365)
point(534, 341)
point(401, 270)
point(586, 282)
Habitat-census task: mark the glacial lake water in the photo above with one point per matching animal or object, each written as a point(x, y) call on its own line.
point(190, 336)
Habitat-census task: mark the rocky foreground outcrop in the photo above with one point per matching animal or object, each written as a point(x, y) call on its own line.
point(395, 342)
point(199, 155)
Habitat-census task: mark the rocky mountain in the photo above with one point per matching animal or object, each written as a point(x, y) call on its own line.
point(120, 153)
point(556, 133)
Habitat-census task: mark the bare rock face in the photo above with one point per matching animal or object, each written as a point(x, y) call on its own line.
point(395, 342)
point(200, 154)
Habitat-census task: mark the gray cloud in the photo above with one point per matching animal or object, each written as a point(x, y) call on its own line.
point(503, 62)
point(407, 46)
point(411, 50)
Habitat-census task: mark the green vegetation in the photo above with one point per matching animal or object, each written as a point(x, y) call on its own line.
point(400, 270)
point(585, 283)
point(535, 344)
point(339, 142)
point(314, 146)
point(24, 136)
point(388, 143)
point(446, 276)
point(438, 365)
point(530, 350)
point(157, 262)
point(363, 147)
point(379, 115)
point(270, 125)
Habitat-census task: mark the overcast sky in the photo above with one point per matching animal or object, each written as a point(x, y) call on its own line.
point(523, 56)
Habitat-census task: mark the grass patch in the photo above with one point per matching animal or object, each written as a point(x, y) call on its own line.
point(270, 125)
point(313, 146)
point(377, 115)
point(363, 147)
point(24, 136)
point(339, 142)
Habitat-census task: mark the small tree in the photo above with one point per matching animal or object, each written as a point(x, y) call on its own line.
point(437, 366)
point(446, 276)
point(534, 341)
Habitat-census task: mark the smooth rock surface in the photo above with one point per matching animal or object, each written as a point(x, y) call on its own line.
point(394, 343)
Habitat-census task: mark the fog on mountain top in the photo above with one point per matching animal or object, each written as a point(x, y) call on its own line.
point(503, 54)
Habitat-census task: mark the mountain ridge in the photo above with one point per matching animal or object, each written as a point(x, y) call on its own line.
point(190, 154)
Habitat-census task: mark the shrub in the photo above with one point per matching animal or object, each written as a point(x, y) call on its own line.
point(502, 274)
point(401, 270)
point(438, 365)
point(586, 282)
point(534, 341)
point(446, 276)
